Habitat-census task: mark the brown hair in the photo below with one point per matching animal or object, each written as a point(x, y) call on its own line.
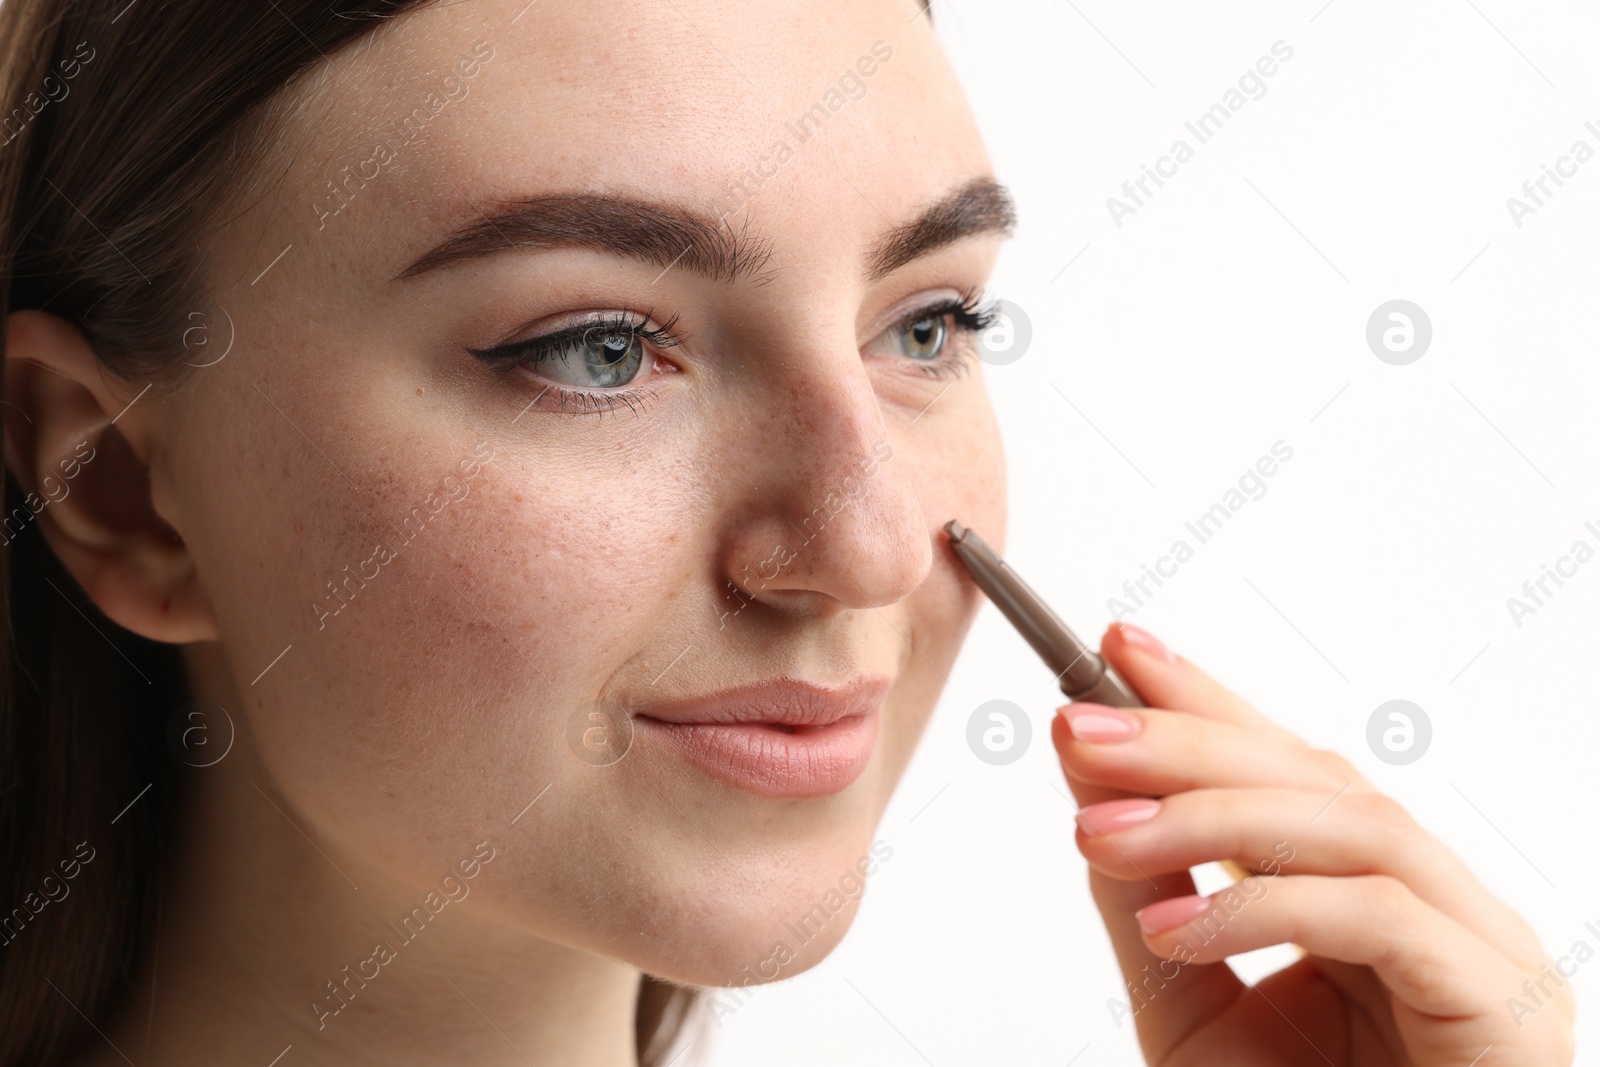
point(126, 126)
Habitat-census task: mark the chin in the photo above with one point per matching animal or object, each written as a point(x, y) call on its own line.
point(756, 914)
point(760, 945)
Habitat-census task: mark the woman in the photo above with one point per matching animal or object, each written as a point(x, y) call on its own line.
point(474, 484)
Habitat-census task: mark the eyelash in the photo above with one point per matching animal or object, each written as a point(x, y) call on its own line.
point(971, 317)
point(968, 314)
point(536, 350)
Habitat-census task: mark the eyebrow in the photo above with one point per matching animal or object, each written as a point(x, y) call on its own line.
point(672, 236)
point(981, 206)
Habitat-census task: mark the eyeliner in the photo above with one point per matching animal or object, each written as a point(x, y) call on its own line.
point(1080, 671)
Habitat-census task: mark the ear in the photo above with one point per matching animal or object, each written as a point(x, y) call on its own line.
point(87, 484)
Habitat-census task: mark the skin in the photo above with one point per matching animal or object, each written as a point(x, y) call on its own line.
point(590, 552)
point(591, 558)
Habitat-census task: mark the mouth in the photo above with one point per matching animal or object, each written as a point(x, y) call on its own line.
point(781, 739)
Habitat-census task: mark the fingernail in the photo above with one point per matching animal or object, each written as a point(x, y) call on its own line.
point(1145, 641)
point(1097, 722)
point(1170, 914)
point(1110, 816)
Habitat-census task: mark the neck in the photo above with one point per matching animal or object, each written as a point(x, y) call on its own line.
point(274, 942)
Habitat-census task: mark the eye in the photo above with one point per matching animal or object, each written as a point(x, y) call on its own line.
point(603, 357)
point(608, 352)
point(929, 335)
point(585, 366)
point(924, 338)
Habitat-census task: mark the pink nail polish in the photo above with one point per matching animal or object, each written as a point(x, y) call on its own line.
point(1110, 816)
point(1145, 641)
point(1170, 914)
point(1097, 722)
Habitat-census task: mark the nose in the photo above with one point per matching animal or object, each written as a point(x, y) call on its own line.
point(829, 518)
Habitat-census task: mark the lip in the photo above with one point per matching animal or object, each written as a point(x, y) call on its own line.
point(780, 738)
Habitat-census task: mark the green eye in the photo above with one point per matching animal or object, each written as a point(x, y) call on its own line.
point(928, 336)
point(588, 366)
point(605, 357)
point(597, 355)
point(925, 338)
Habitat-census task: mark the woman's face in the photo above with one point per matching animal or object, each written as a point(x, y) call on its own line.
point(436, 575)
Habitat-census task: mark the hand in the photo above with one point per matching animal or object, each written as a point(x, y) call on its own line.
point(1411, 961)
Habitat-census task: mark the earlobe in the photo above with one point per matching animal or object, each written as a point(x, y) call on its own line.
point(70, 444)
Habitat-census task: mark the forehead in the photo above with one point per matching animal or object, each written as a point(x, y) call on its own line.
point(794, 113)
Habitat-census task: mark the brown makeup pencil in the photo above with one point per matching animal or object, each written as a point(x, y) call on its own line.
point(1080, 671)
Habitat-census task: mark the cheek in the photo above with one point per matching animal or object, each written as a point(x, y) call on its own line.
point(975, 474)
point(960, 472)
point(477, 643)
point(958, 468)
point(438, 643)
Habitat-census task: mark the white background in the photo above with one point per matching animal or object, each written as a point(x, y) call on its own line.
point(1227, 314)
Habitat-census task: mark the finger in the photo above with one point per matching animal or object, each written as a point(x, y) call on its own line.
point(1296, 831)
point(1166, 680)
point(1159, 751)
point(1191, 993)
point(1432, 964)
